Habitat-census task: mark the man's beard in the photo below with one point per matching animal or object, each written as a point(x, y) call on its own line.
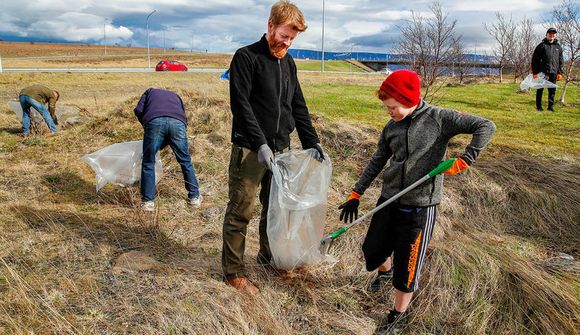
point(277, 50)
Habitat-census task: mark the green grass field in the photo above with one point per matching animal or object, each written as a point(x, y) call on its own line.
point(332, 65)
point(520, 126)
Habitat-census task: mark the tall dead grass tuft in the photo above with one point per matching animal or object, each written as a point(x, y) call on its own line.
point(475, 283)
point(521, 195)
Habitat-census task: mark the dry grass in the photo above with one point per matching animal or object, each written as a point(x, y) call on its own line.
point(499, 225)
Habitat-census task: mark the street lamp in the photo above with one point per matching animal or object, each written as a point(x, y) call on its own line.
point(322, 35)
point(105, 34)
point(147, 26)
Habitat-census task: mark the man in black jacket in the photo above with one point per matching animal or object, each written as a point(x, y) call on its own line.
point(548, 58)
point(267, 104)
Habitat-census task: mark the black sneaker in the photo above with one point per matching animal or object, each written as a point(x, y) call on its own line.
point(551, 109)
point(382, 279)
point(540, 109)
point(393, 323)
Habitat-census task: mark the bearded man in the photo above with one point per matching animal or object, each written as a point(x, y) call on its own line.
point(267, 104)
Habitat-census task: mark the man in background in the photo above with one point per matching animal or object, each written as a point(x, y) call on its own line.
point(548, 58)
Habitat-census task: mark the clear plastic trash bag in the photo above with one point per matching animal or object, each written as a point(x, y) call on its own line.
point(297, 208)
point(540, 82)
point(120, 164)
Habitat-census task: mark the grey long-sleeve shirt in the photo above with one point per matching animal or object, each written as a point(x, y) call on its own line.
point(416, 145)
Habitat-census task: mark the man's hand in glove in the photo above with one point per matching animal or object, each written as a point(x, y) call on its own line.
point(265, 156)
point(458, 166)
point(350, 208)
point(319, 155)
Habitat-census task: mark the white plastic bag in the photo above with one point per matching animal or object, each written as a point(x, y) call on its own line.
point(297, 208)
point(120, 164)
point(540, 82)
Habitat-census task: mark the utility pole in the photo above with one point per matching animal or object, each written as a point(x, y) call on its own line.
point(147, 26)
point(105, 35)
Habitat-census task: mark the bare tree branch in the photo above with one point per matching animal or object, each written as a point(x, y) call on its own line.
point(566, 20)
point(503, 32)
point(429, 41)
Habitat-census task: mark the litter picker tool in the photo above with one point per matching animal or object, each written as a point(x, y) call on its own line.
point(327, 241)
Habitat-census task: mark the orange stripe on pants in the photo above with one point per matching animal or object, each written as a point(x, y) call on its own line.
point(413, 259)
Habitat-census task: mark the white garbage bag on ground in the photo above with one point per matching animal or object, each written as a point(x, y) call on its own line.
point(297, 208)
point(540, 82)
point(120, 164)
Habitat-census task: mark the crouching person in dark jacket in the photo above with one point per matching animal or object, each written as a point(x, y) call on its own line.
point(414, 142)
point(162, 115)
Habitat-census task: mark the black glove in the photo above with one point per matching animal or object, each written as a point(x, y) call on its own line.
point(320, 154)
point(349, 211)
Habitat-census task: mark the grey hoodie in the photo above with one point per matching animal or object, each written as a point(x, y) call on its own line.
point(416, 145)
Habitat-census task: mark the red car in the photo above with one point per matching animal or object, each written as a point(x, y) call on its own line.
point(170, 65)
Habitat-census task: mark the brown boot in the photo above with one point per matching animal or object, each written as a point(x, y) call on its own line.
point(243, 285)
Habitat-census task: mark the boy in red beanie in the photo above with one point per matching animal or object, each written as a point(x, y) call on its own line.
point(414, 142)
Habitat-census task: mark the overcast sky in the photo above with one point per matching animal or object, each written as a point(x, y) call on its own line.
point(225, 25)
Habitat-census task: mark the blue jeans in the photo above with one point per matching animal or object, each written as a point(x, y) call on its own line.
point(26, 102)
point(158, 133)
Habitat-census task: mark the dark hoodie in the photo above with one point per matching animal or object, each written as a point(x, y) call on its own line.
point(156, 103)
point(548, 58)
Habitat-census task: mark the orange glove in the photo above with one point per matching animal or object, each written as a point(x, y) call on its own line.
point(535, 76)
point(458, 166)
point(559, 76)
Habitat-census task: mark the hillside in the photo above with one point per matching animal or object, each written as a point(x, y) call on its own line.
point(495, 266)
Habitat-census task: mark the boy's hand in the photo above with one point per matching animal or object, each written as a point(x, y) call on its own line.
point(559, 76)
point(350, 208)
point(458, 166)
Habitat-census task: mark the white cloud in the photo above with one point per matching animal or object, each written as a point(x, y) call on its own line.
point(76, 27)
point(501, 6)
point(224, 25)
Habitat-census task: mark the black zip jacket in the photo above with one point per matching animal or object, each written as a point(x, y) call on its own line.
point(548, 58)
point(266, 100)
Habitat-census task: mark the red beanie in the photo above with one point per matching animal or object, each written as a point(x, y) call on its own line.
point(404, 86)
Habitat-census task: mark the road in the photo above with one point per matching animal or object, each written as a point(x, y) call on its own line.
point(104, 69)
point(144, 69)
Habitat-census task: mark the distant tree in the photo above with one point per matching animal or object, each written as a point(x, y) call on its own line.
point(460, 59)
point(566, 20)
point(502, 32)
point(429, 42)
point(523, 47)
